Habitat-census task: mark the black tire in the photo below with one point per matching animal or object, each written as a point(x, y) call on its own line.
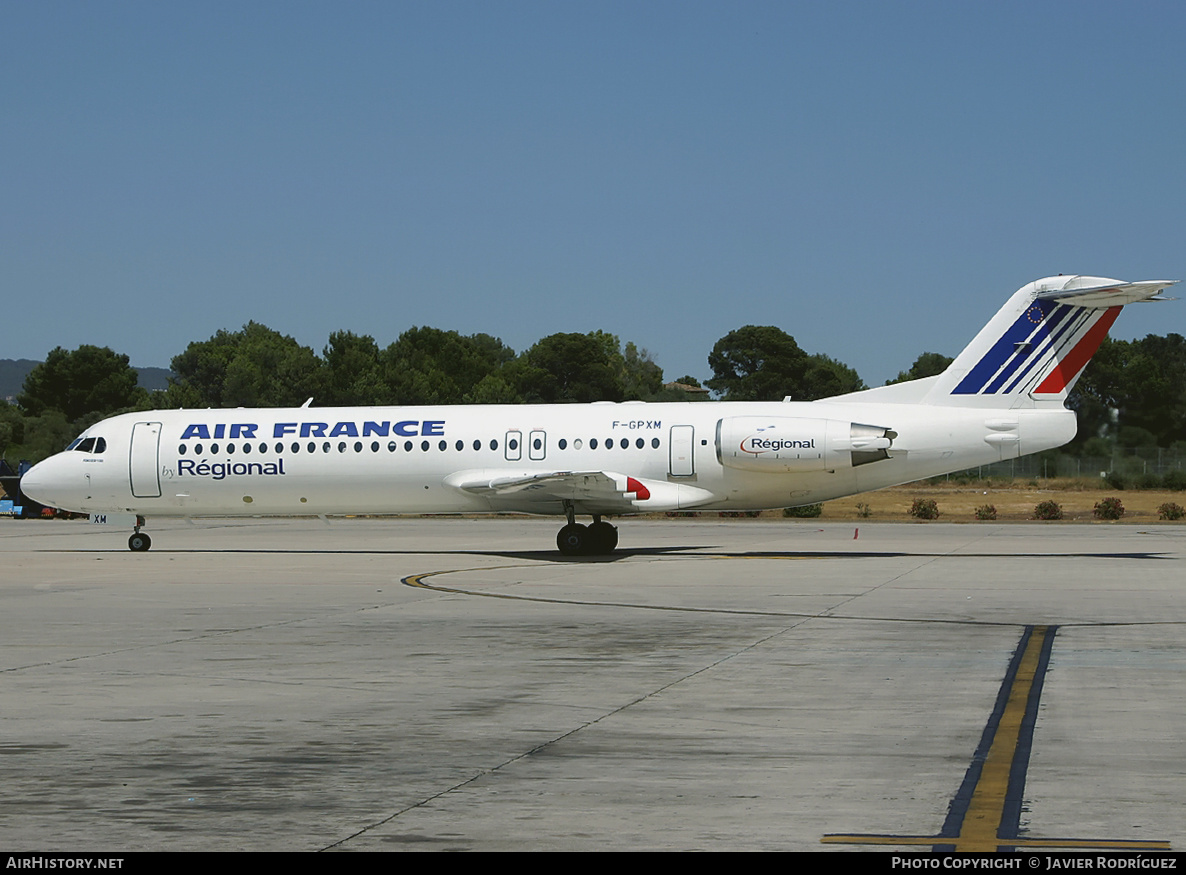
point(139, 542)
point(572, 539)
point(603, 538)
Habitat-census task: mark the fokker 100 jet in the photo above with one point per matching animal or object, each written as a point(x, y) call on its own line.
point(1002, 397)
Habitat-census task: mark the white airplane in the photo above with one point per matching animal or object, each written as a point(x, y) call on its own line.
point(1001, 398)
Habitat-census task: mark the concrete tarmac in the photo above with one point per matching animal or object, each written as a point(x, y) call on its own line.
point(419, 684)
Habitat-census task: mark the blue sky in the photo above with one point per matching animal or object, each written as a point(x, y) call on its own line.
point(874, 178)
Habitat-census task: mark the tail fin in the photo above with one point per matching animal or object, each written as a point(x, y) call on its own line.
point(1037, 345)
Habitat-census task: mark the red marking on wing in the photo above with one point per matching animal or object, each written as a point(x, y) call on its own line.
point(640, 491)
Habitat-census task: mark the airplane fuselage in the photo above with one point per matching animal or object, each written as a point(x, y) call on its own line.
point(1002, 397)
point(708, 456)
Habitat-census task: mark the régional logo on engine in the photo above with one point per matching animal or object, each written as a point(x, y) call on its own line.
point(758, 445)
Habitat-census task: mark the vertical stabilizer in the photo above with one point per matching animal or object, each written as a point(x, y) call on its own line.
point(1036, 347)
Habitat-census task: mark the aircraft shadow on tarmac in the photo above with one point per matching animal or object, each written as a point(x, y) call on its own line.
point(697, 551)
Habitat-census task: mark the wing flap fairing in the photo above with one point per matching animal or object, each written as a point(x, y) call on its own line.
point(605, 491)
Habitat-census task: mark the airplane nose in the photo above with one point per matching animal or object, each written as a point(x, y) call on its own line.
point(44, 483)
point(33, 483)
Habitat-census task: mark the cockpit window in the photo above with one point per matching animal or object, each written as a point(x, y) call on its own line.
point(93, 445)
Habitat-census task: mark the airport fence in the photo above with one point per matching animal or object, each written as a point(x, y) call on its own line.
point(1135, 464)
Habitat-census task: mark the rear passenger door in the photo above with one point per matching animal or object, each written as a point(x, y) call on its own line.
point(682, 462)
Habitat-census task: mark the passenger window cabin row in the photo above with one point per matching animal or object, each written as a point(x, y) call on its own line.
point(394, 446)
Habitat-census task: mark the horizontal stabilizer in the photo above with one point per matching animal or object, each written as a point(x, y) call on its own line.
point(1112, 295)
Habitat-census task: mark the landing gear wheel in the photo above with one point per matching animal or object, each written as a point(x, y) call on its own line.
point(139, 542)
point(603, 538)
point(572, 539)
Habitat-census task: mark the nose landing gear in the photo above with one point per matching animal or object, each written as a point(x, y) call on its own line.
point(139, 542)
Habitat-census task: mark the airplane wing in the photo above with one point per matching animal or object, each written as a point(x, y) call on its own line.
point(589, 491)
point(1108, 296)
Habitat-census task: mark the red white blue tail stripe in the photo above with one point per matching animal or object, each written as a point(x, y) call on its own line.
point(1041, 353)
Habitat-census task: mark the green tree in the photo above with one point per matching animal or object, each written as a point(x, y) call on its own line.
point(91, 379)
point(494, 389)
point(572, 367)
point(926, 365)
point(353, 366)
point(12, 427)
point(763, 363)
point(1139, 384)
point(1157, 402)
point(642, 379)
point(254, 367)
point(431, 366)
point(39, 437)
point(826, 377)
point(756, 363)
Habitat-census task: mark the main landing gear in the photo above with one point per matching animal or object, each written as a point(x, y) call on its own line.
point(139, 542)
point(593, 540)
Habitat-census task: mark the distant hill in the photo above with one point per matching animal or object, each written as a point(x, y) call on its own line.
point(12, 376)
point(154, 379)
point(14, 371)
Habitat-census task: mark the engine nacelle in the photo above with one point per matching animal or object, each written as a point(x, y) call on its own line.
point(787, 444)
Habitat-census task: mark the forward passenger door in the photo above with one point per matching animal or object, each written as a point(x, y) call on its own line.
point(144, 460)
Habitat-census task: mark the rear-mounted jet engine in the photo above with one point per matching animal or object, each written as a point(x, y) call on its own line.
point(786, 444)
